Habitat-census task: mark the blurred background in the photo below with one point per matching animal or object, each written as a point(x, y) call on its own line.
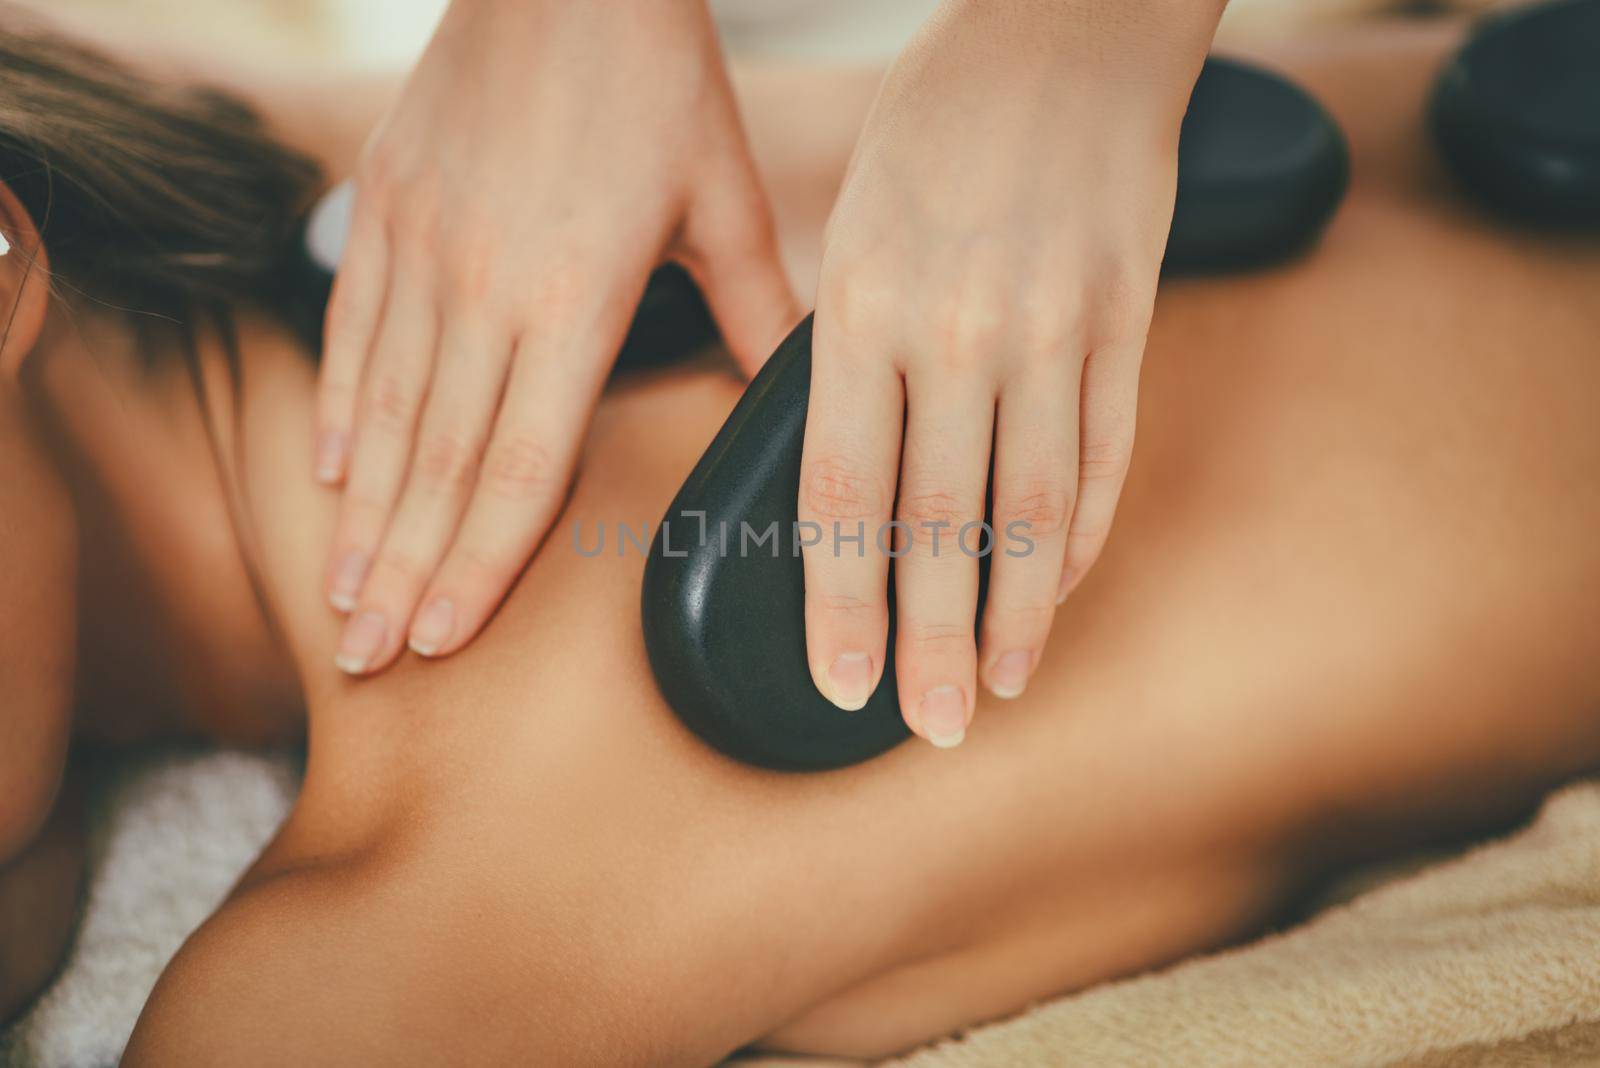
point(384, 34)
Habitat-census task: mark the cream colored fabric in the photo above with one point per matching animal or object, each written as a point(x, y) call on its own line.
point(170, 829)
point(1492, 958)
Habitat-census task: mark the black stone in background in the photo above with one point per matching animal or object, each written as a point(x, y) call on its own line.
point(1261, 169)
point(1516, 113)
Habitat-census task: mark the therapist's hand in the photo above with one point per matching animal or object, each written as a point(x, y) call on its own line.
point(987, 280)
point(543, 157)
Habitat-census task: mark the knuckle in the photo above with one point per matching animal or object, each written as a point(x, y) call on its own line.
point(937, 634)
point(471, 267)
point(476, 567)
point(968, 331)
point(850, 606)
point(1043, 506)
point(448, 462)
point(420, 236)
point(1049, 348)
point(1104, 461)
point(859, 299)
point(398, 569)
point(554, 298)
point(1084, 543)
point(520, 468)
point(932, 513)
point(837, 488)
point(420, 231)
point(1019, 617)
point(363, 510)
point(471, 279)
point(1123, 301)
point(391, 403)
point(1050, 330)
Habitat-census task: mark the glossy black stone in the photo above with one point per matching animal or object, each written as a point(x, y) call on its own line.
point(1261, 168)
point(1516, 113)
point(725, 629)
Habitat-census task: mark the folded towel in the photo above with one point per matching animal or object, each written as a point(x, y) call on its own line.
point(1490, 958)
point(170, 830)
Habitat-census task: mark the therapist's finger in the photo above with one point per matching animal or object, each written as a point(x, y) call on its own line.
point(454, 429)
point(944, 470)
point(1110, 402)
point(731, 249)
point(355, 307)
point(1035, 480)
point(555, 380)
point(391, 395)
point(847, 477)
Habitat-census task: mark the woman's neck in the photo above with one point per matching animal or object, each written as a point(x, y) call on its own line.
point(172, 636)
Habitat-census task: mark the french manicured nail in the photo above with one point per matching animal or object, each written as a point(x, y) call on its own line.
point(943, 714)
point(1009, 675)
point(332, 446)
point(850, 679)
point(432, 627)
point(363, 637)
point(347, 580)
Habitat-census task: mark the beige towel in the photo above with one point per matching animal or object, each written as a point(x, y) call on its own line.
point(1491, 958)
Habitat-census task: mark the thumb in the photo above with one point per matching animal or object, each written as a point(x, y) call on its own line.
point(730, 246)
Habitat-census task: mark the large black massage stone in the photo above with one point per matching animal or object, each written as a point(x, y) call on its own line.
point(1261, 168)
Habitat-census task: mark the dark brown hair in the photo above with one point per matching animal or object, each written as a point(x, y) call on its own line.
point(171, 203)
point(169, 200)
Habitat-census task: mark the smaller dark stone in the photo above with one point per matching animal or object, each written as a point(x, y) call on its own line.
point(1516, 113)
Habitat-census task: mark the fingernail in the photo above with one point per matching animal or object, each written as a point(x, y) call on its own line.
point(432, 627)
point(944, 716)
point(347, 580)
point(850, 678)
point(363, 637)
point(1069, 578)
point(331, 448)
point(1009, 675)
